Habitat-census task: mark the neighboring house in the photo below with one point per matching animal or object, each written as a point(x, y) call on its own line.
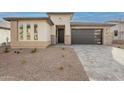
point(4, 32)
point(30, 32)
point(118, 31)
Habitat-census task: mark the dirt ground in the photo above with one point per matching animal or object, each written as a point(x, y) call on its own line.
point(118, 46)
point(50, 64)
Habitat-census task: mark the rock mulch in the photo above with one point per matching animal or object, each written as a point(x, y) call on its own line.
point(50, 64)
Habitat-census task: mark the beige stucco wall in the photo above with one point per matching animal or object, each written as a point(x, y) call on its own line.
point(64, 20)
point(106, 34)
point(4, 34)
point(120, 28)
point(43, 34)
point(43, 29)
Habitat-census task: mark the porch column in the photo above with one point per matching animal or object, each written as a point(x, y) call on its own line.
point(67, 39)
point(53, 35)
point(107, 36)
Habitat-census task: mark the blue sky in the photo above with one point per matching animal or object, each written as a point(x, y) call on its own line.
point(78, 16)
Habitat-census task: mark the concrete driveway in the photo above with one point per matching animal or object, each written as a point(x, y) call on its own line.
point(101, 62)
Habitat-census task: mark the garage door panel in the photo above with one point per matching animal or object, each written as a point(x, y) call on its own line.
point(85, 36)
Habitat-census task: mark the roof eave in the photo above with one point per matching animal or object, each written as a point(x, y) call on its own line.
point(6, 28)
point(24, 18)
point(28, 18)
point(59, 13)
point(107, 25)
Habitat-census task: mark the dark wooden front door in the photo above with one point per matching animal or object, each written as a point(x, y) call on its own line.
point(60, 35)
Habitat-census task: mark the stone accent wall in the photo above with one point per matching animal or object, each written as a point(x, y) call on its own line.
point(14, 29)
point(67, 40)
point(53, 39)
point(107, 36)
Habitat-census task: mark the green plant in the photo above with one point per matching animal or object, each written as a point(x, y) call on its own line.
point(34, 50)
point(6, 50)
point(23, 62)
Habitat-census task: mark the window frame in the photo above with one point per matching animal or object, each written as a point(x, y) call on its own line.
point(35, 31)
point(28, 27)
point(21, 32)
point(115, 33)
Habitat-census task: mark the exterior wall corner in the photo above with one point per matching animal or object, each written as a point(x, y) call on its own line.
point(67, 40)
point(107, 36)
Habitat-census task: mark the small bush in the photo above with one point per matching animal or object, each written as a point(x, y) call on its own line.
point(63, 56)
point(34, 50)
point(61, 68)
point(119, 47)
point(6, 50)
point(63, 48)
point(17, 52)
point(23, 61)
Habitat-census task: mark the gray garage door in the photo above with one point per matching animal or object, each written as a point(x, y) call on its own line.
point(87, 36)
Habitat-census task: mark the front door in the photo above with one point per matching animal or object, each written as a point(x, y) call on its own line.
point(61, 35)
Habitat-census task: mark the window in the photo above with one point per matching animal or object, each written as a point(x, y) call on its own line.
point(28, 32)
point(35, 32)
point(115, 32)
point(21, 32)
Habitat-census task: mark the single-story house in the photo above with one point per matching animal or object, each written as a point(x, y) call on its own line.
point(4, 32)
point(40, 32)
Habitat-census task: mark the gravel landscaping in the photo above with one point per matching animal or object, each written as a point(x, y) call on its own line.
point(53, 64)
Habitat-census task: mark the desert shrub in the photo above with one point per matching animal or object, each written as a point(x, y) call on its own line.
point(23, 62)
point(61, 68)
point(34, 50)
point(15, 51)
point(63, 48)
point(63, 56)
point(119, 47)
point(6, 50)
point(18, 52)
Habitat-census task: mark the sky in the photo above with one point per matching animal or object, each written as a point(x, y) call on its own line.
point(78, 16)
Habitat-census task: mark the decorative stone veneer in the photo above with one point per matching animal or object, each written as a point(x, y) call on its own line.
point(107, 36)
point(14, 30)
point(67, 40)
point(53, 39)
